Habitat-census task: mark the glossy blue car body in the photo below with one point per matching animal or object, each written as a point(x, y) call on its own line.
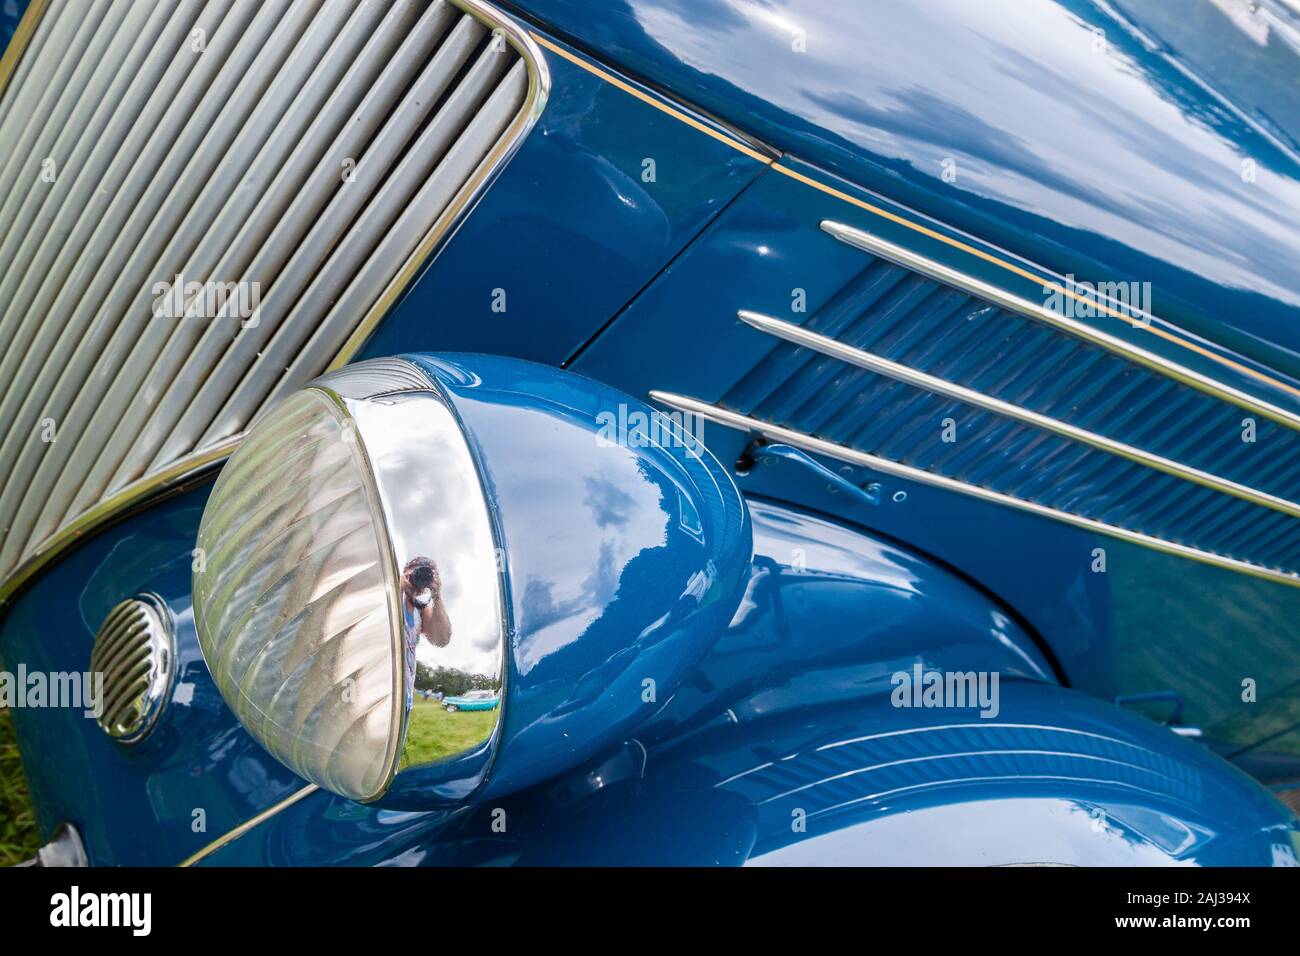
point(783, 746)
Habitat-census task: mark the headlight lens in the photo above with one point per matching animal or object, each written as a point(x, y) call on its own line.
point(294, 598)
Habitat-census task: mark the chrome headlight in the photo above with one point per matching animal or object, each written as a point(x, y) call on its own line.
point(310, 608)
point(414, 572)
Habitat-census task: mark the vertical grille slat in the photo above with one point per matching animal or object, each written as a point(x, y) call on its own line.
point(322, 230)
point(209, 179)
point(437, 191)
point(52, 29)
point(86, 167)
point(153, 257)
point(223, 163)
point(103, 222)
point(146, 207)
point(70, 152)
point(58, 130)
point(49, 81)
point(162, 345)
point(276, 228)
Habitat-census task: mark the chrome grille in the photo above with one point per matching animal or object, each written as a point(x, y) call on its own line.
point(134, 655)
point(292, 162)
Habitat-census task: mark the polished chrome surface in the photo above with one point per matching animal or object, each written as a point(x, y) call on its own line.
point(135, 656)
point(346, 550)
point(853, 456)
point(65, 849)
point(957, 279)
point(137, 400)
point(918, 379)
point(452, 598)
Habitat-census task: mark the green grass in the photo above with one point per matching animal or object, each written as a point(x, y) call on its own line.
point(433, 733)
point(18, 838)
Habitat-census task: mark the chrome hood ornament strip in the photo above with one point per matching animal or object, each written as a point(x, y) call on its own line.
point(907, 259)
point(852, 456)
point(918, 379)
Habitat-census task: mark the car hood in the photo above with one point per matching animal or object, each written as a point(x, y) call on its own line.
point(1155, 145)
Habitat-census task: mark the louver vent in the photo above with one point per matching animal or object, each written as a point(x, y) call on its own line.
point(134, 655)
point(203, 204)
point(1091, 433)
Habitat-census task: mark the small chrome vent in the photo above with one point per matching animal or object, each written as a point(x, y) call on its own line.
point(135, 653)
point(203, 204)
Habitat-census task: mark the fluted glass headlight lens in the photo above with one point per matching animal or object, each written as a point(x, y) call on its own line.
point(294, 598)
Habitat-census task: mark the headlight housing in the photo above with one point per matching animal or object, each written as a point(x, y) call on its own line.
point(308, 624)
point(407, 529)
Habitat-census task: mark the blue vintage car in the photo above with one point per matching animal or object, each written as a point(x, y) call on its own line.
point(846, 433)
point(474, 700)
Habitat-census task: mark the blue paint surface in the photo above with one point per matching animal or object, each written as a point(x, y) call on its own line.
point(626, 549)
point(1122, 161)
point(1124, 631)
point(573, 227)
point(198, 773)
point(785, 748)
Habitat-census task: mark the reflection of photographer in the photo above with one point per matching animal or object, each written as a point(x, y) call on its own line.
point(426, 615)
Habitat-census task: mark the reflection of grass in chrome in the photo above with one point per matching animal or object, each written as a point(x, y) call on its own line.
point(434, 733)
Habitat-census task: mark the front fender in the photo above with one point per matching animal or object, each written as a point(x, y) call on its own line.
point(1057, 779)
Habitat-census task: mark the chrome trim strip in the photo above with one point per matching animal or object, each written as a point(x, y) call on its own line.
point(740, 142)
point(201, 460)
point(230, 836)
point(415, 431)
point(852, 456)
point(18, 43)
point(910, 376)
point(941, 273)
point(150, 486)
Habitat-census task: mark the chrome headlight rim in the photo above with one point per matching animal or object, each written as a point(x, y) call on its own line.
point(347, 388)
